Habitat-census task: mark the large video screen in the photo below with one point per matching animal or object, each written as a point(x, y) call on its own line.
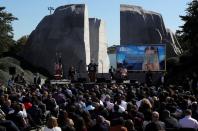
point(141, 57)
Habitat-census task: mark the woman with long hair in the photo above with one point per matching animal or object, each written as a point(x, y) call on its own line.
point(52, 125)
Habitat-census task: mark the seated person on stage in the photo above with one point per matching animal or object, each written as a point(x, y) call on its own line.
point(92, 68)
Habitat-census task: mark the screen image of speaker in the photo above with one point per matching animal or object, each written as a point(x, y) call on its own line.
point(12, 70)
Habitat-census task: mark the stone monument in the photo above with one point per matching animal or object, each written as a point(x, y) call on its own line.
point(65, 32)
point(98, 44)
point(138, 26)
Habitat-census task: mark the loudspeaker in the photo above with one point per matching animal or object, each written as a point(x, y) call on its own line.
point(82, 80)
point(100, 80)
point(133, 81)
point(119, 81)
point(12, 70)
point(108, 77)
point(83, 77)
point(103, 77)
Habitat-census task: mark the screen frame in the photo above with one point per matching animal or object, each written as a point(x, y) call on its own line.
point(128, 45)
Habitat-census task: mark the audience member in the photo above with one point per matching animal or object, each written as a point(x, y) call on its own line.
point(52, 125)
point(102, 106)
point(188, 121)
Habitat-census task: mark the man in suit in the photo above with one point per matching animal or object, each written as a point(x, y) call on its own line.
point(155, 124)
point(169, 121)
point(92, 69)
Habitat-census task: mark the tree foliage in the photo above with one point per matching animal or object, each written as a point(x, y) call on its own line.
point(189, 31)
point(22, 41)
point(19, 44)
point(6, 30)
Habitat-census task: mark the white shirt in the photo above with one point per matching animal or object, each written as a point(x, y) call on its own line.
point(109, 105)
point(124, 104)
point(89, 108)
point(23, 113)
point(188, 122)
point(121, 109)
point(103, 97)
point(53, 129)
point(101, 103)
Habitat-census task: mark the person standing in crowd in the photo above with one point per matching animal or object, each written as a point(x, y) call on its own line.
point(92, 69)
point(188, 121)
point(52, 125)
point(20, 79)
point(37, 79)
point(11, 82)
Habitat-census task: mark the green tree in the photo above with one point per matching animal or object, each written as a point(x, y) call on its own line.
point(189, 31)
point(22, 41)
point(17, 47)
point(6, 30)
point(184, 44)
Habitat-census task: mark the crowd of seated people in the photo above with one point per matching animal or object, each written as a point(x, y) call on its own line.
point(99, 107)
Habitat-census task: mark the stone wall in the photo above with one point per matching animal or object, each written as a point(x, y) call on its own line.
point(66, 31)
point(138, 26)
point(98, 44)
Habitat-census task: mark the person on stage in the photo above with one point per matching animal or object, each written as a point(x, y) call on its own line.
point(112, 72)
point(58, 67)
point(92, 69)
point(123, 73)
point(72, 73)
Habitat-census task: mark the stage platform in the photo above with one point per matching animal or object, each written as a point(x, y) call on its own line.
point(106, 78)
point(60, 82)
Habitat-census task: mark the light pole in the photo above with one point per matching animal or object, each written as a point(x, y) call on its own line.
point(50, 9)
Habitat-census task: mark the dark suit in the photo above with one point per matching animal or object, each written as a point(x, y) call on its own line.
point(171, 122)
point(155, 126)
